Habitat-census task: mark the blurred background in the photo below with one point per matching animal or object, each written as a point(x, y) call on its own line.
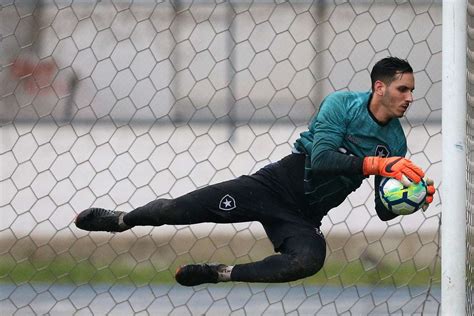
point(116, 103)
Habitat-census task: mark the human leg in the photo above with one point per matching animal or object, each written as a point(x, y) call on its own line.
point(227, 202)
point(301, 255)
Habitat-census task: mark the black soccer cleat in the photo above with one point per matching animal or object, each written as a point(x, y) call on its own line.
point(99, 219)
point(195, 274)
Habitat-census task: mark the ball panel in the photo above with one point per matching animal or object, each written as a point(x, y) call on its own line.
point(399, 199)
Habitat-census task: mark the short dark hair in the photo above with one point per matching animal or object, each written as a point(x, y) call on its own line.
point(386, 69)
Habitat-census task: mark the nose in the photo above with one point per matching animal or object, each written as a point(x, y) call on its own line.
point(409, 97)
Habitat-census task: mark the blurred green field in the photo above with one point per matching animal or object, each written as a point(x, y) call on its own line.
point(153, 259)
point(83, 272)
point(389, 266)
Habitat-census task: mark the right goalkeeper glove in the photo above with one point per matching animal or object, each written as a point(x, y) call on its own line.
point(430, 191)
point(394, 167)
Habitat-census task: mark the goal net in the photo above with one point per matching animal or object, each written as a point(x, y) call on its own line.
point(115, 103)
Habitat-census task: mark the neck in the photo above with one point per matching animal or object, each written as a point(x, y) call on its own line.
point(377, 110)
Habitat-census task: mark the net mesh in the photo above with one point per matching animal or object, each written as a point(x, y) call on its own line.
point(116, 103)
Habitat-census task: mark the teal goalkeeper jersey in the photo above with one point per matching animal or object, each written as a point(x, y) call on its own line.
point(343, 127)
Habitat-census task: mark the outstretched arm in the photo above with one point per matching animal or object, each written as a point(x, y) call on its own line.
point(332, 162)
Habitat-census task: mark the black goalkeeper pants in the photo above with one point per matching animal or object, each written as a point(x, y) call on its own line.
point(274, 197)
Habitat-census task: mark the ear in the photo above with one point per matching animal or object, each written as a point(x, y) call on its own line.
point(379, 88)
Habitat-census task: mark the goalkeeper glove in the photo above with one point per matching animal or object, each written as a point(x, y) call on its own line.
point(393, 167)
point(430, 191)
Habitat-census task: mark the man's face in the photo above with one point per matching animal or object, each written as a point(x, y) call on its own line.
point(398, 95)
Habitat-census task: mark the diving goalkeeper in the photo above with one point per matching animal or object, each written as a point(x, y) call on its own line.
point(354, 135)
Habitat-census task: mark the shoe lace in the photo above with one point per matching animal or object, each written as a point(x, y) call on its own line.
point(104, 212)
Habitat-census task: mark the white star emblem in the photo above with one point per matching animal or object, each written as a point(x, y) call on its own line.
point(227, 203)
point(382, 151)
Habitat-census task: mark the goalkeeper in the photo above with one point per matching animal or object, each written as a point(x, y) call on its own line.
point(354, 135)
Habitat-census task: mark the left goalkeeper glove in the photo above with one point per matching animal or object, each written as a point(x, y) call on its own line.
point(399, 168)
point(430, 191)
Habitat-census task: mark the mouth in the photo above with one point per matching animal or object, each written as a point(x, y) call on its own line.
point(403, 110)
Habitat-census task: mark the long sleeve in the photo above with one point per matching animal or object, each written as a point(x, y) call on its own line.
point(329, 129)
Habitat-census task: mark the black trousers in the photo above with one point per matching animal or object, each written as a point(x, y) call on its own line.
point(274, 196)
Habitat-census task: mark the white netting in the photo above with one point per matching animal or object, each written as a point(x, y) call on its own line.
point(116, 103)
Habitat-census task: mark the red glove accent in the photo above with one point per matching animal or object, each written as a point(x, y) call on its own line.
point(430, 191)
point(393, 167)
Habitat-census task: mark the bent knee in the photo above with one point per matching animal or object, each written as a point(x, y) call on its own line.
point(308, 263)
point(307, 255)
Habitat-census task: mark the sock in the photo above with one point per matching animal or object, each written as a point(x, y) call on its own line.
point(121, 221)
point(224, 274)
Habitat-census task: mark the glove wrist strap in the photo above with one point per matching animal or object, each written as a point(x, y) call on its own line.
point(370, 166)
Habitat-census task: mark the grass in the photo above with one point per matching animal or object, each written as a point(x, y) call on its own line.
point(334, 273)
point(70, 272)
point(347, 274)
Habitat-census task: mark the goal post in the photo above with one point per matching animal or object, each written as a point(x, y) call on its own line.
point(453, 232)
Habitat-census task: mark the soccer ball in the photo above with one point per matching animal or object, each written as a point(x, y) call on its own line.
point(399, 199)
